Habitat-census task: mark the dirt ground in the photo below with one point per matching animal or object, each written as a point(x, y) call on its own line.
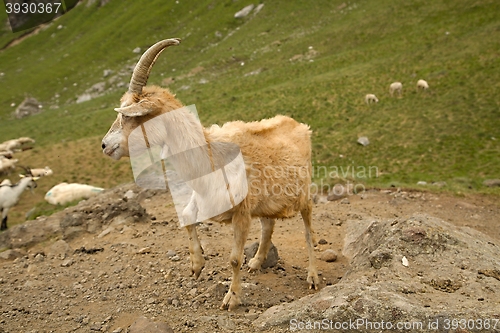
point(133, 270)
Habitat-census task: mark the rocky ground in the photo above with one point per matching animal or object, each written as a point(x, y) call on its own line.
point(112, 259)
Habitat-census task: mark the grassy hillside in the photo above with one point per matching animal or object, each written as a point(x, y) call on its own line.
point(313, 60)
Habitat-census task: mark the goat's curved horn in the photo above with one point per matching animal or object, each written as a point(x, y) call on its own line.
point(141, 71)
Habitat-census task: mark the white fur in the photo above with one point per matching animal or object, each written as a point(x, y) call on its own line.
point(422, 84)
point(7, 165)
point(41, 172)
point(10, 194)
point(396, 87)
point(371, 98)
point(64, 193)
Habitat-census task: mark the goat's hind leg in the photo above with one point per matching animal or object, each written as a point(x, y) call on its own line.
point(195, 250)
point(241, 225)
point(312, 273)
point(4, 219)
point(267, 228)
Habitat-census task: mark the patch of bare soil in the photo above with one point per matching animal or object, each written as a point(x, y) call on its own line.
point(104, 281)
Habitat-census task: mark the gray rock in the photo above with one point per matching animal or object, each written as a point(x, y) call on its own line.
point(28, 107)
point(441, 283)
point(421, 183)
point(67, 263)
point(30, 233)
point(60, 250)
point(171, 253)
point(137, 50)
point(329, 255)
point(144, 325)
point(107, 72)
point(492, 182)
point(84, 98)
point(10, 254)
point(272, 255)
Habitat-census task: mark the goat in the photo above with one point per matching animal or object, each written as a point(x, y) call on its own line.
point(267, 146)
point(10, 194)
point(11, 145)
point(396, 87)
point(64, 193)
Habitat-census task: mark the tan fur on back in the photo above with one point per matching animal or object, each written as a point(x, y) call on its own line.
point(277, 154)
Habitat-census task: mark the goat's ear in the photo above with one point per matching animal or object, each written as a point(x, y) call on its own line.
point(35, 178)
point(141, 108)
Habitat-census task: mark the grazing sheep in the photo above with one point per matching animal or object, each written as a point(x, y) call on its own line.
point(64, 193)
point(11, 145)
point(6, 165)
point(6, 154)
point(396, 87)
point(41, 172)
point(277, 165)
point(371, 98)
point(422, 84)
point(10, 194)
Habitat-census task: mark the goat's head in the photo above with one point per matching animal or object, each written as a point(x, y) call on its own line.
point(140, 103)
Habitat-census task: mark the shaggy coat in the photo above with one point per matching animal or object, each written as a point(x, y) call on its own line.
point(277, 166)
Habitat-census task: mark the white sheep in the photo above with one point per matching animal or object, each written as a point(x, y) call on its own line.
point(15, 144)
point(10, 194)
point(7, 165)
point(422, 84)
point(277, 165)
point(371, 98)
point(396, 87)
point(6, 153)
point(41, 172)
point(64, 193)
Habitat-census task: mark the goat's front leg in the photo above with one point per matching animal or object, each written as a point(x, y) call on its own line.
point(241, 225)
point(195, 250)
point(267, 227)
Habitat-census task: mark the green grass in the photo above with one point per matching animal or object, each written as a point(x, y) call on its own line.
point(450, 133)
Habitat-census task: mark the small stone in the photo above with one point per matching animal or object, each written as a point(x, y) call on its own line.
point(144, 250)
point(345, 201)
point(421, 183)
point(329, 255)
point(137, 50)
point(106, 232)
point(67, 263)
point(175, 258)
point(322, 241)
point(404, 261)
point(171, 253)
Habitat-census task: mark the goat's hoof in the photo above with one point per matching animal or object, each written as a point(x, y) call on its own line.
point(313, 281)
point(231, 301)
point(197, 266)
point(254, 265)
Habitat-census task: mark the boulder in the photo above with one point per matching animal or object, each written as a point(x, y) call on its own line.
point(28, 107)
point(272, 254)
point(453, 274)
